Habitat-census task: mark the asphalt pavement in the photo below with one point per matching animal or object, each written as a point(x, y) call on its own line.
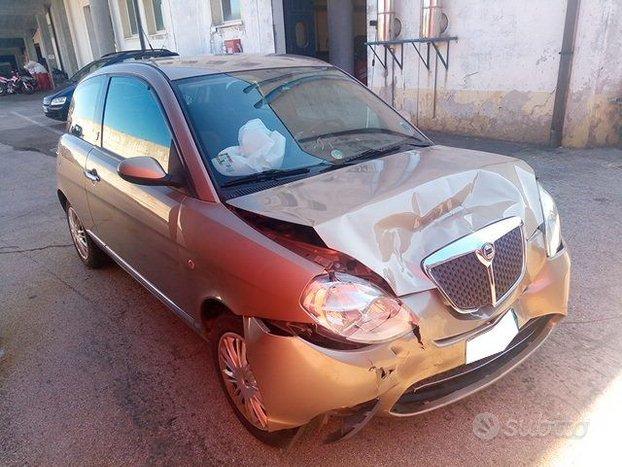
point(94, 370)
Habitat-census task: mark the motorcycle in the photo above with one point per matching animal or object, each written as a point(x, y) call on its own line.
point(17, 84)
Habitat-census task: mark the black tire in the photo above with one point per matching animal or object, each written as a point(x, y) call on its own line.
point(227, 324)
point(88, 251)
point(2, 90)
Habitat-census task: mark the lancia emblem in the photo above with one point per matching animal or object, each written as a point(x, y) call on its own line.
point(487, 251)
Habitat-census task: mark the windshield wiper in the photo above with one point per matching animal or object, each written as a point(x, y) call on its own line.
point(373, 153)
point(276, 174)
point(258, 84)
point(268, 175)
point(279, 90)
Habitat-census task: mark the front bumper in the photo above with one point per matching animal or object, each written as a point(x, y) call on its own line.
point(300, 380)
point(55, 112)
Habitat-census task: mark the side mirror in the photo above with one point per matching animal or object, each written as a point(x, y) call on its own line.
point(144, 171)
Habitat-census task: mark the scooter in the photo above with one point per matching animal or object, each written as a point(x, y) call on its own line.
point(17, 84)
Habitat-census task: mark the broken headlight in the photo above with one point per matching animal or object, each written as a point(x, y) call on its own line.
point(356, 309)
point(552, 227)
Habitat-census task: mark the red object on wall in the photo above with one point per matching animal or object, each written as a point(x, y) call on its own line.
point(233, 46)
point(44, 81)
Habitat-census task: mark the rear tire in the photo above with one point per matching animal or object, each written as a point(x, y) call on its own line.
point(237, 380)
point(88, 251)
point(2, 90)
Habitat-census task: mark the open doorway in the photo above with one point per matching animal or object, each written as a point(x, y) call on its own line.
point(8, 63)
point(308, 30)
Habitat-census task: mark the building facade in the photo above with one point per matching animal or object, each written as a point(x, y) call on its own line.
point(189, 27)
point(501, 80)
point(503, 71)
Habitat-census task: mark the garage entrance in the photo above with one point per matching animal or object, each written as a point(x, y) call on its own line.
point(7, 64)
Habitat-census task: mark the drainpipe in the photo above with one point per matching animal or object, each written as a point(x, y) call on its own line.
point(563, 75)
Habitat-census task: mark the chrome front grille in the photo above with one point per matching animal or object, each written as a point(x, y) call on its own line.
point(508, 262)
point(465, 281)
point(479, 270)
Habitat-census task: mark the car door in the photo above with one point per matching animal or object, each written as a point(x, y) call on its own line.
point(84, 127)
point(137, 222)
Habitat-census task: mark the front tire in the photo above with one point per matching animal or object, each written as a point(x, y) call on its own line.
point(238, 381)
point(88, 251)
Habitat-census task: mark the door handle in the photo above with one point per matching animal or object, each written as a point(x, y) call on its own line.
point(92, 175)
point(76, 130)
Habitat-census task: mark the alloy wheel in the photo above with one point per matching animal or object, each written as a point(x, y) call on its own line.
point(78, 233)
point(239, 379)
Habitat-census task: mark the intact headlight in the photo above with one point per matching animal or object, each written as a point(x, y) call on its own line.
point(552, 227)
point(356, 309)
point(58, 101)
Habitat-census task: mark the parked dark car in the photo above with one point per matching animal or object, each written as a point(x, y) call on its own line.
point(56, 105)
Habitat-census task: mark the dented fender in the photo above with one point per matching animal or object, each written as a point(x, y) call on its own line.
point(300, 380)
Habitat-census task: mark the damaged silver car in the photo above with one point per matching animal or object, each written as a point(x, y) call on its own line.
point(339, 263)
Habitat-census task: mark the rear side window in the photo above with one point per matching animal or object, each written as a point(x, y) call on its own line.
point(85, 112)
point(134, 123)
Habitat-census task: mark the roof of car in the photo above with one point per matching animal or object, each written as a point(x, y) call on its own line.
point(186, 67)
point(154, 52)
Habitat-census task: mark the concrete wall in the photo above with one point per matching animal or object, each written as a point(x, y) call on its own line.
point(189, 29)
point(503, 70)
point(165, 39)
point(592, 119)
point(278, 21)
point(63, 35)
point(78, 31)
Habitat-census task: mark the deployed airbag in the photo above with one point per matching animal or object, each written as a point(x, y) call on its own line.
point(259, 150)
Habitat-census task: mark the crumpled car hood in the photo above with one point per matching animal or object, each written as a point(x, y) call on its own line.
point(391, 213)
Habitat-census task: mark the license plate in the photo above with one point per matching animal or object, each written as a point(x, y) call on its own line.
point(493, 341)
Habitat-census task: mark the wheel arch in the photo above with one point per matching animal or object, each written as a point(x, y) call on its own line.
point(212, 308)
point(63, 199)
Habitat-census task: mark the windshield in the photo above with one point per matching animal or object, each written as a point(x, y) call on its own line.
point(91, 67)
point(273, 124)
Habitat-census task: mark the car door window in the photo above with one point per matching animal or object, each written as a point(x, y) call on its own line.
point(134, 123)
point(85, 111)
